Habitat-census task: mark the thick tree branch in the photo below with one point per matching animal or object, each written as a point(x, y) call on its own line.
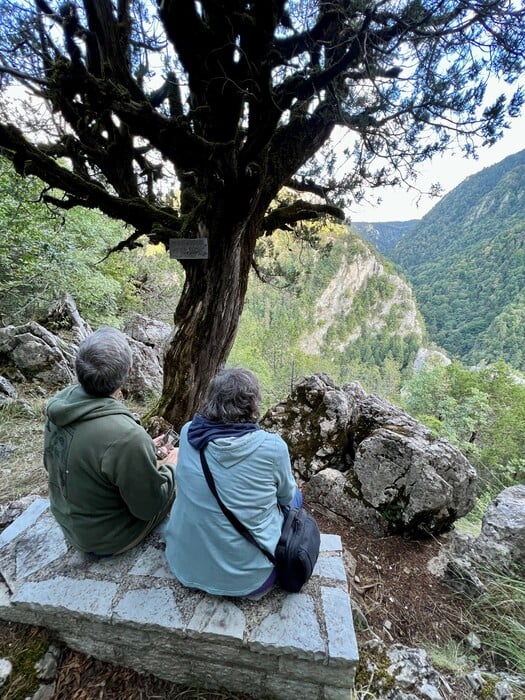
point(308, 185)
point(304, 42)
point(30, 160)
point(283, 217)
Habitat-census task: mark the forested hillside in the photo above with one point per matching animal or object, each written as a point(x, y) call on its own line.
point(466, 262)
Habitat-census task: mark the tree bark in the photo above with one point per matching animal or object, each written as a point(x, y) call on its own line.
point(204, 330)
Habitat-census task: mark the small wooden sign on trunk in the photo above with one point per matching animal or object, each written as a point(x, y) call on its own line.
point(189, 248)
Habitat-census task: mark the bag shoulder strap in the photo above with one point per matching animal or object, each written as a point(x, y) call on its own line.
point(241, 529)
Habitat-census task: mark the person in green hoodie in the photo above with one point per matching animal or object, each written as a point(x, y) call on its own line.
point(106, 489)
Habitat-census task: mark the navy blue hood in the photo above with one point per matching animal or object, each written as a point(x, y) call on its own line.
point(202, 431)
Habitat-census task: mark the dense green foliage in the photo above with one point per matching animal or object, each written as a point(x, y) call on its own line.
point(481, 411)
point(44, 254)
point(504, 337)
point(466, 262)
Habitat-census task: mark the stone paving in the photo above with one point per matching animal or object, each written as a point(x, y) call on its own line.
point(130, 610)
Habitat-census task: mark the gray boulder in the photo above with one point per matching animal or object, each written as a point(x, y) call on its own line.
point(6, 668)
point(502, 537)
point(413, 480)
point(454, 567)
point(146, 374)
point(9, 396)
point(371, 462)
point(32, 353)
point(463, 562)
point(150, 332)
point(6, 388)
point(8, 392)
point(398, 672)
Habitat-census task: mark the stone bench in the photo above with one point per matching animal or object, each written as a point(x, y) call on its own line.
point(130, 610)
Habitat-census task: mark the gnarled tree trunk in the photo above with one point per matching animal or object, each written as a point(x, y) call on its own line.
point(204, 330)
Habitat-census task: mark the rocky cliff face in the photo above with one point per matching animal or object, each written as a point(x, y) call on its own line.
point(390, 303)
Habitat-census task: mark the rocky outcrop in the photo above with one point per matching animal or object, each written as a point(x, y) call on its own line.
point(371, 462)
point(426, 358)
point(408, 670)
point(356, 271)
point(464, 562)
point(150, 332)
point(398, 672)
point(33, 353)
point(502, 537)
point(313, 421)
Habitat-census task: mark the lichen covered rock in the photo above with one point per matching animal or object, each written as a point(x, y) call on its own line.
point(371, 462)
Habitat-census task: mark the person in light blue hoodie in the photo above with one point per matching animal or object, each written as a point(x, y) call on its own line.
point(253, 476)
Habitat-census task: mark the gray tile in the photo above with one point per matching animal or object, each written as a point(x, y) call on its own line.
point(38, 547)
point(331, 543)
point(217, 617)
point(342, 645)
point(292, 630)
point(330, 567)
point(149, 606)
point(87, 597)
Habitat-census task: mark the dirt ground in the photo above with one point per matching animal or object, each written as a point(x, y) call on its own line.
point(401, 600)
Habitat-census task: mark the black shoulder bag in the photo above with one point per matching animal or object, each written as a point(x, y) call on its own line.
point(298, 547)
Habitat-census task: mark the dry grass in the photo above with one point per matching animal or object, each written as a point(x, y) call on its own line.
point(22, 427)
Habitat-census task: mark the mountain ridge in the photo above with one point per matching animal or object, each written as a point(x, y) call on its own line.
point(465, 260)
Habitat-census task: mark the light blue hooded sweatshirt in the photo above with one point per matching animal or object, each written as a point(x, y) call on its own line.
point(253, 477)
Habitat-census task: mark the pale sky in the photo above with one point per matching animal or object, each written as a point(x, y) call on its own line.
point(449, 170)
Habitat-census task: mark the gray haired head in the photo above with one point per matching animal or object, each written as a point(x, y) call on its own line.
point(103, 361)
point(233, 396)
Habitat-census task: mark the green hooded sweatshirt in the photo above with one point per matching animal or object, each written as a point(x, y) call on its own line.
point(104, 484)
